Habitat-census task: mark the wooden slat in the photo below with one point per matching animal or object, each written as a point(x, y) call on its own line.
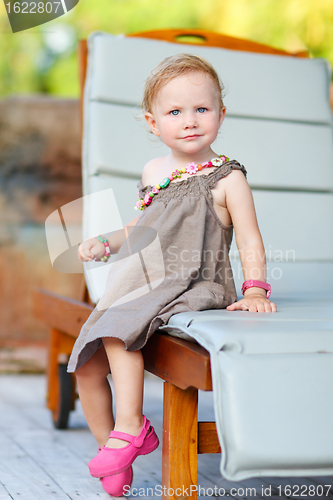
point(180, 440)
point(178, 361)
point(4, 495)
point(64, 314)
point(208, 441)
point(64, 466)
point(210, 39)
point(22, 477)
point(32, 447)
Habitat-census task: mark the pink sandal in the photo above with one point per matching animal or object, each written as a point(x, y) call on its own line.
point(112, 461)
point(118, 484)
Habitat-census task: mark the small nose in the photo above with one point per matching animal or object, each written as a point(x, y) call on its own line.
point(190, 120)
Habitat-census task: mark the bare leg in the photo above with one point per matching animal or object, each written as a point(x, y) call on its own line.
point(127, 371)
point(96, 396)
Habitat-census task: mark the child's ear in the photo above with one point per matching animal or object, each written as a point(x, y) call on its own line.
point(222, 114)
point(152, 123)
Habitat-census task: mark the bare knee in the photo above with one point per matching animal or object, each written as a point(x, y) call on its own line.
point(96, 368)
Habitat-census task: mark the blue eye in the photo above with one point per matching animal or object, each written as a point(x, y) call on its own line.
point(174, 112)
point(201, 110)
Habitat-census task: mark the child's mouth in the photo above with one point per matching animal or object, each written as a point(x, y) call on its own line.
point(189, 137)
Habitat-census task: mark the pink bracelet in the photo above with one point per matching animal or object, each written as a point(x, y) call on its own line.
point(260, 284)
point(107, 252)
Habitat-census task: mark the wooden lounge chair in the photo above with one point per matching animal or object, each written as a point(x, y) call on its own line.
point(183, 365)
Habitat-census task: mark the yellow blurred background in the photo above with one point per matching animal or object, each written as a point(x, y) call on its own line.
point(43, 59)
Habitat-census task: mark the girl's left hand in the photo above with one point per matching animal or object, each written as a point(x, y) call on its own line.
point(253, 303)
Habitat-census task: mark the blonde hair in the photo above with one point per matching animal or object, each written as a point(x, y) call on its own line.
point(170, 68)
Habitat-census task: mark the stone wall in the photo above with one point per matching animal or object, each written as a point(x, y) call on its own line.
point(40, 170)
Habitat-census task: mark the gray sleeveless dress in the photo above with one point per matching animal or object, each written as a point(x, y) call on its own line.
point(175, 260)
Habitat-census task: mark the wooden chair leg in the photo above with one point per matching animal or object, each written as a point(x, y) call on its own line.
point(180, 442)
point(52, 371)
point(61, 385)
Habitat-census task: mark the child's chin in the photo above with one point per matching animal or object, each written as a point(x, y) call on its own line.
point(193, 145)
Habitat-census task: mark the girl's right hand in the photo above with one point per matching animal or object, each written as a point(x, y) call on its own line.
point(90, 250)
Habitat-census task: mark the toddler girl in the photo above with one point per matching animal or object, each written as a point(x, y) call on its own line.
point(192, 199)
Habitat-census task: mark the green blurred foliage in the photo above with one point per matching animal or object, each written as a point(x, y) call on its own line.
point(28, 64)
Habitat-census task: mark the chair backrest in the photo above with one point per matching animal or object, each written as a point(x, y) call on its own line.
point(278, 125)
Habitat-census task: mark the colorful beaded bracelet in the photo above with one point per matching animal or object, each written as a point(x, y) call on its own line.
point(191, 168)
point(107, 249)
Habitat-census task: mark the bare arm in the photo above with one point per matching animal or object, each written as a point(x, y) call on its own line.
point(239, 201)
point(93, 248)
point(118, 237)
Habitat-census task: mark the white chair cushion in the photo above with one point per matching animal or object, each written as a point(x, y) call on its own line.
point(272, 376)
point(299, 150)
point(276, 79)
point(278, 124)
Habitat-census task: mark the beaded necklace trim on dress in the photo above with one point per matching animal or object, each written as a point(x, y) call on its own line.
point(202, 186)
point(216, 169)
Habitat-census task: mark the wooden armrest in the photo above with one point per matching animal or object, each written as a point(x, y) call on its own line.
point(178, 361)
point(64, 314)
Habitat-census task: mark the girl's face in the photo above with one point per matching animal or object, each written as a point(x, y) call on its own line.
point(187, 113)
